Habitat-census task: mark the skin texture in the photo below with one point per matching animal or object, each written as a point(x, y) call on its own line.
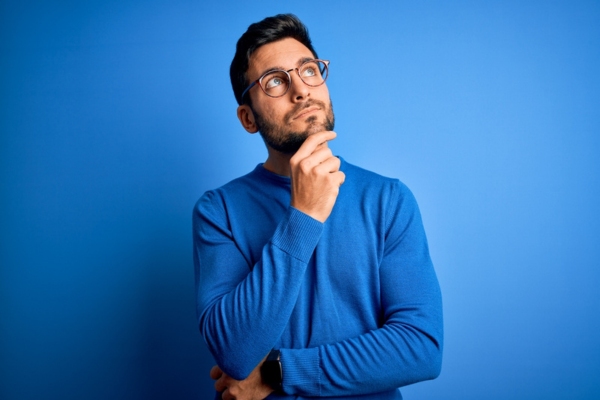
point(315, 176)
point(250, 388)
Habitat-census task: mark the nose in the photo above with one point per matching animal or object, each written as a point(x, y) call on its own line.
point(299, 91)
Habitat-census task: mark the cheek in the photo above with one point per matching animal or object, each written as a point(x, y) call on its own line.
point(323, 93)
point(324, 88)
point(271, 112)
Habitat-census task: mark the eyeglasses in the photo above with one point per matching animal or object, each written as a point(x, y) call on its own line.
point(277, 82)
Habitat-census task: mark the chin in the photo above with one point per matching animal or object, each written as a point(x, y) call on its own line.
point(315, 127)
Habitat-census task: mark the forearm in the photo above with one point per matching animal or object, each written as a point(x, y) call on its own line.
point(243, 309)
point(242, 326)
point(407, 345)
point(384, 359)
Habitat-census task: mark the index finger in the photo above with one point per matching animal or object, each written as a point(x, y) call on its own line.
point(312, 142)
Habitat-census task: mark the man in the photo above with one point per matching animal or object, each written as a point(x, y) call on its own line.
point(313, 276)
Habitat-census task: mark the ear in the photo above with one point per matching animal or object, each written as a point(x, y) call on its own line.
point(246, 117)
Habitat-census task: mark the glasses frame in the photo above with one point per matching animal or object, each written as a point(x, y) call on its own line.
point(259, 80)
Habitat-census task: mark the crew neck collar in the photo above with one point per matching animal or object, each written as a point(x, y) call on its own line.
point(261, 170)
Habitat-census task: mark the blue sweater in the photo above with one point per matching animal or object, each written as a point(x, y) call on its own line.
point(353, 303)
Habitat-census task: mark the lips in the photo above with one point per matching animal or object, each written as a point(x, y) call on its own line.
point(305, 112)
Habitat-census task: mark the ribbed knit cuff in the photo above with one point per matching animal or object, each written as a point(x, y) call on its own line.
point(301, 371)
point(298, 235)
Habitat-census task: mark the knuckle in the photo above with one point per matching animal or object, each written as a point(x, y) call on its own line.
point(304, 165)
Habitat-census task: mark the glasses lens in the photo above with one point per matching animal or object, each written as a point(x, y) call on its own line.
point(313, 72)
point(275, 83)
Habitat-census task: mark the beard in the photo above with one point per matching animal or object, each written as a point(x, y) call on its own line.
point(288, 142)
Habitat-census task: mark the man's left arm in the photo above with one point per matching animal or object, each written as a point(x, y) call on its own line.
point(407, 348)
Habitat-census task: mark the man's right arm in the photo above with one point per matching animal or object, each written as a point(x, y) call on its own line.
point(238, 303)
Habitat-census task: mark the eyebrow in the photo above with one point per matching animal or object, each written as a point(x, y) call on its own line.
point(277, 68)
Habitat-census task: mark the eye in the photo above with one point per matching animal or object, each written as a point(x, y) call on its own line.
point(274, 80)
point(310, 71)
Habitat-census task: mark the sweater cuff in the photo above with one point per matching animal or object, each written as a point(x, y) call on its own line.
point(298, 235)
point(301, 371)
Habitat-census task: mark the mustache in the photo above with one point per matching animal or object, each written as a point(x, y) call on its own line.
point(301, 106)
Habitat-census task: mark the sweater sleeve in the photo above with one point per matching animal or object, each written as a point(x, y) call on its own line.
point(407, 347)
point(238, 303)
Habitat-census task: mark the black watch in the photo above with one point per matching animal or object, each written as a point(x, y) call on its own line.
point(271, 371)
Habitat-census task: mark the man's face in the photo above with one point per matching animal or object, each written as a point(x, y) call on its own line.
point(285, 122)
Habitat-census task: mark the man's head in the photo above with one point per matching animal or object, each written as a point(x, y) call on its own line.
point(268, 30)
point(280, 42)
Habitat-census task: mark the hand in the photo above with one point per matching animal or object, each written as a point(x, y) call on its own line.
point(316, 176)
point(251, 388)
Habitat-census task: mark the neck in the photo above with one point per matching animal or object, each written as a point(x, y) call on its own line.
point(278, 163)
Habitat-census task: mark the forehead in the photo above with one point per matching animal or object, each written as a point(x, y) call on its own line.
point(285, 53)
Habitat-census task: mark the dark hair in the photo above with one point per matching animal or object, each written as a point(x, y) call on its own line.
point(270, 29)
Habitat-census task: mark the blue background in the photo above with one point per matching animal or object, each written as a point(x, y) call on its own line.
point(115, 116)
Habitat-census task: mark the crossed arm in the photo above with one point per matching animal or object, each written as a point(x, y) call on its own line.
point(235, 302)
point(406, 349)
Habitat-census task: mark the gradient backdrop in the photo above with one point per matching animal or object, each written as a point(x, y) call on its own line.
point(115, 116)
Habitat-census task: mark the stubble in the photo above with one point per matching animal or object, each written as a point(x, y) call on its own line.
point(288, 142)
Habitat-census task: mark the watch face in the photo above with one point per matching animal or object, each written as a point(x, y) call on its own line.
point(271, 373)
